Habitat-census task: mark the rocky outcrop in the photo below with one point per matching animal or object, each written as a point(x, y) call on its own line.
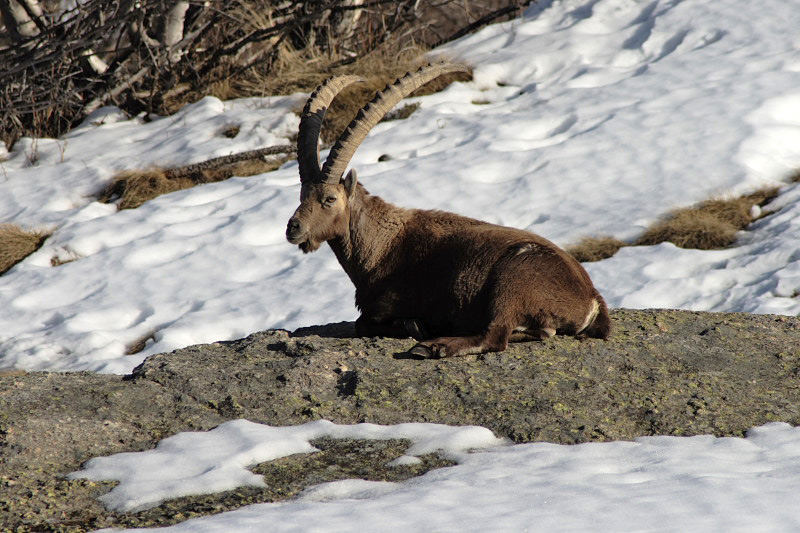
point(661, 373)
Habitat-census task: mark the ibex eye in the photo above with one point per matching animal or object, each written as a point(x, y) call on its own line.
point(329, 200)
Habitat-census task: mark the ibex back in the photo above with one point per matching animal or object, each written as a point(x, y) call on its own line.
point(458, 285)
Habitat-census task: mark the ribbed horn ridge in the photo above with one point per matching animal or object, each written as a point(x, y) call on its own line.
point(374, 111)
point(311, 124)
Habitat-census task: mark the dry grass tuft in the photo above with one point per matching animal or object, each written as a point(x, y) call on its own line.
point(591, 249)
point(140, 344)
point(763, 196)
point(131, 188)
point(690, 228)
point(739, 212)
point(709, 225)
point(16, 244)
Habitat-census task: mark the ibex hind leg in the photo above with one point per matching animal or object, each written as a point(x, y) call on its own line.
point(494, 340)
point(529, 335)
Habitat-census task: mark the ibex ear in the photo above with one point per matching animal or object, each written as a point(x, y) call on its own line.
point(349, 183)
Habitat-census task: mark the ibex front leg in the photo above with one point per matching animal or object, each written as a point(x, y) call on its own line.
point(398, 327)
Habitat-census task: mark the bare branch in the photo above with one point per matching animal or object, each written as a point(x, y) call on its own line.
point(127, 83)
point(222, 161)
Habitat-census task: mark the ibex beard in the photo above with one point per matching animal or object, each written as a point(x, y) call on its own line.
point(458, 285)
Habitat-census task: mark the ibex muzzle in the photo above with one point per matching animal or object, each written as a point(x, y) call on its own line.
point(456, 284)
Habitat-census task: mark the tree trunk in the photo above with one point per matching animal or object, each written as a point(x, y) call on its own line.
point(18, 17)
point(173, 29)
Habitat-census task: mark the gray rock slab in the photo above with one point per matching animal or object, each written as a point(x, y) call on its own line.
point(661, 373)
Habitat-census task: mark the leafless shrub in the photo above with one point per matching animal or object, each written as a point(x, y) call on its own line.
point(155, 55)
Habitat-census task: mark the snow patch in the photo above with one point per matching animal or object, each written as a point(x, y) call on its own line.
point(699, 483)
point(217, 460)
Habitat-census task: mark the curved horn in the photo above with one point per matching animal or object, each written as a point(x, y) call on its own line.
point(374, 111)
point(311, 123)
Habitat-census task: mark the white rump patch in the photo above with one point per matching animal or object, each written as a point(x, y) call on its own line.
point(591, 316)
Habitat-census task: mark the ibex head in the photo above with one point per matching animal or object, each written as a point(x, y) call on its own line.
point(323, 212)
point(326, 194)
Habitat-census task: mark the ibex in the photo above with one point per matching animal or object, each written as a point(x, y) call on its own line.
point(458, 285)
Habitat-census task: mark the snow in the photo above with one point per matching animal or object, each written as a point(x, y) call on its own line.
point(584, 118)
point(701, 483)
point(217, 460)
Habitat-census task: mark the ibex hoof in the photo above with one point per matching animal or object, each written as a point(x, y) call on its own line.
point(424, 351)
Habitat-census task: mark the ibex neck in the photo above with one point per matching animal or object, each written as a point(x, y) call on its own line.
point(374, 226)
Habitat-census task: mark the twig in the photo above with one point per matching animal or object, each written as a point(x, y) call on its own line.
point(117, 90)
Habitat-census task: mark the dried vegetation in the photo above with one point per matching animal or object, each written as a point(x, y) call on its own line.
point(590, 249)
point(131, 188)
point(17, 243)
point(709, 225)
point(154, 56)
